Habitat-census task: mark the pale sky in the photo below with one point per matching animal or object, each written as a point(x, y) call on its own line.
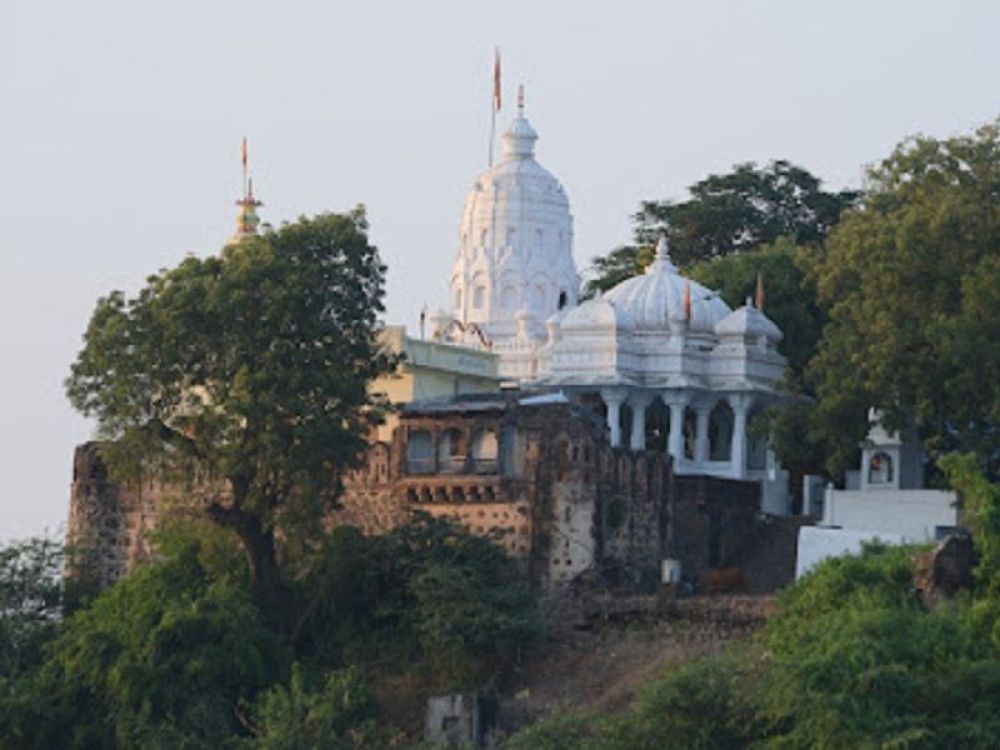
point(120, 125)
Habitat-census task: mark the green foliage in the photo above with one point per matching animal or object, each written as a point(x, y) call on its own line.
point(740, 210)
point(980, 500)
point(162, 659)
point(31, 598)
point(428, 594)
point(910, 281)
point(340, 714)
point(607, 271)
point(694, 707)
point(853, 660)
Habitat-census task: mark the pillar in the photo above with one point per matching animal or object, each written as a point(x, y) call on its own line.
point(613, 399)
point(704, 413)
point(740, 404)
point(675, 441)
point(638, 401)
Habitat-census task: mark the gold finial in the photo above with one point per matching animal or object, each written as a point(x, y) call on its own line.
point(247, 220)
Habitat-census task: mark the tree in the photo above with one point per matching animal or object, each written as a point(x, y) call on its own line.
point(910, 281)
point(162, 659)
point(745, 208)
point(31, 599)
point(727, 214)
point(248, 371)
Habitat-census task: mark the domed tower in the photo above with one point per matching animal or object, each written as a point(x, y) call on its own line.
point(514, 267)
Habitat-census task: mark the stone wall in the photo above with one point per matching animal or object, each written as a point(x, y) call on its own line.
point(709, 519)
point(554, 495)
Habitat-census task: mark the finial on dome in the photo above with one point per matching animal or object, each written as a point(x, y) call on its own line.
point(247, 220)
point(520, 100)
point(687, 301)
point(759, 295)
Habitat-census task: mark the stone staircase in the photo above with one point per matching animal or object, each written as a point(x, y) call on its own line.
point(767, 557)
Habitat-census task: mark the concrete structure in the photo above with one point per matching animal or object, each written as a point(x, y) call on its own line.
point(431, 370)
point(886, 501)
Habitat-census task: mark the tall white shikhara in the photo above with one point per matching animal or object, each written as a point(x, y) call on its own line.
point(514, 267)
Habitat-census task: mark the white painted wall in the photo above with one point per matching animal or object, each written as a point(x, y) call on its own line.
point(817, 544)
point(913, 514)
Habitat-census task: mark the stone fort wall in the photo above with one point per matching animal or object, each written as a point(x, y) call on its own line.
point(545, 484)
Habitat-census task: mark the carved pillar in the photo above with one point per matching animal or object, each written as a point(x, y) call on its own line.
point(638, 401)
point(740, 403)
point(704, 412)
point(613, 399)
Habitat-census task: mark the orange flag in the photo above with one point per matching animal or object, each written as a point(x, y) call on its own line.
point(243, 151)
point(496, 79)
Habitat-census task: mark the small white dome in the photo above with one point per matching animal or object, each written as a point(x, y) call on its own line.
point(596, 313)
point(657, 296)
point(748, 321)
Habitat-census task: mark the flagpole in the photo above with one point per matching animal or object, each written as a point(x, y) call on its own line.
point(494, 101)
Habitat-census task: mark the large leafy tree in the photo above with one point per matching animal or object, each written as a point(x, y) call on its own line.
point(727, 214)
point(747, 207)
point(246, 374)
point(911, 282)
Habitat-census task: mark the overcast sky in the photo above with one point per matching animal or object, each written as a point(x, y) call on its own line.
point(120, 125)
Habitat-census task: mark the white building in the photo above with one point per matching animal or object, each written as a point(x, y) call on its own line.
point(667, 361)
point(885, 500)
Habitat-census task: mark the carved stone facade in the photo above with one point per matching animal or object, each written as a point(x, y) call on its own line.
point(536, 473)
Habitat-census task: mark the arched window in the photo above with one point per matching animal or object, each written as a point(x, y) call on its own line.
point(880, 468)
point(720, 432)
point(485, 451)
point(419, 452)
point(562, 299)
point(479, 297)
point(451, 452)
point(756, 441)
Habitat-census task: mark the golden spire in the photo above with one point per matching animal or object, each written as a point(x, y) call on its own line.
point(247, 220)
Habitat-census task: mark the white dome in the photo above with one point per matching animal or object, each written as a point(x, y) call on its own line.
point(748, 321)
point(657, 296)
point(596, 313)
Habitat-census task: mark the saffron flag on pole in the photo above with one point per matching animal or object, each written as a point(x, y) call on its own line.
point(243, 152)
point(496, 79)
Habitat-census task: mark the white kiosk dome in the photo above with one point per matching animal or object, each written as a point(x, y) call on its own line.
point(515, 243)
point(658, 296)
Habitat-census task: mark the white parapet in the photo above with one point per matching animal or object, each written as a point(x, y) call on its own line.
point(817, 544)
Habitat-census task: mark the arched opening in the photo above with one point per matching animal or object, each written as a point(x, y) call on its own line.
point(880, 468)
point(419, 452)
point(451, 452)
point(479, 297)
point(757, 440)
point(720, 432)
point(485, 451)
point(690, 432)
point(562, 300)
point(657, 426)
